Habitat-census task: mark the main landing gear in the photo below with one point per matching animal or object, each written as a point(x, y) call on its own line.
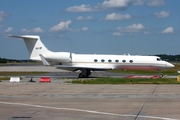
point(84, 73)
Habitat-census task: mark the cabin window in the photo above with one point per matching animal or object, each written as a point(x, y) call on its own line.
point(102, 60)
point(109, 60)
point(95, 60)
point(116, 61)
point(123, 61)
point(131, 61)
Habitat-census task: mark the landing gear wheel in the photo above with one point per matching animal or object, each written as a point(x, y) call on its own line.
point(161, 75)
point(84, 74)
point(88, 73)
point(80, 75)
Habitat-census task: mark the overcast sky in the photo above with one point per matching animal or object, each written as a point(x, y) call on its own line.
point(143, 27)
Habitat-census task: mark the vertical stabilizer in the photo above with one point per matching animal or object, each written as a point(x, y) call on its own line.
point(34, 46)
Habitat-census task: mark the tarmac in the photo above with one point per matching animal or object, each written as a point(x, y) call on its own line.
point(46, 101)
point(29, 68)
point(60, 100)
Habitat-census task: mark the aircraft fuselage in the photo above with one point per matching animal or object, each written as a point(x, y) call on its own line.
point(100, 61)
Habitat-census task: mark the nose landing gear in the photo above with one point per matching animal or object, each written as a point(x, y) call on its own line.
point(161, 75)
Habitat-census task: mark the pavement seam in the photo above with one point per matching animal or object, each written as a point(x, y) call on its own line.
point(145, 103)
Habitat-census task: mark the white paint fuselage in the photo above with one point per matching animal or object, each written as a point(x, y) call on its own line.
point(107, 62)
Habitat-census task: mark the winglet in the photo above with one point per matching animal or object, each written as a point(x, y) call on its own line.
point(44, 61)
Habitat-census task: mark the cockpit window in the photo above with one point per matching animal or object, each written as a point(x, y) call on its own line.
point(159, 59)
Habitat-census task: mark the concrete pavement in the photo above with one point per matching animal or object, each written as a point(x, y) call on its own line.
point(83, 102)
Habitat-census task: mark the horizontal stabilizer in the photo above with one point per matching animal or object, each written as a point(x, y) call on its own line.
point(44, 61)
point(25, 36)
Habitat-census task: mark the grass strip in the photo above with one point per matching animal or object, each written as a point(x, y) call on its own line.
point(128, 81)
point(4, 78)
point(20, 73)
point(147, 72)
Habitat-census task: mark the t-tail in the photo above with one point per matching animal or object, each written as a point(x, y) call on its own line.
point(39, 52)
point(34, 45)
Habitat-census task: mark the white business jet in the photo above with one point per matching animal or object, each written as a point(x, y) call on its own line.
point(87, 63)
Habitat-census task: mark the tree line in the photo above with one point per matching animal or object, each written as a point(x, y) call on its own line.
point(5, 60)
point(173, 58)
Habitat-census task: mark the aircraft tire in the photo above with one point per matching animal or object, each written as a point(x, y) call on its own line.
point(161, 75)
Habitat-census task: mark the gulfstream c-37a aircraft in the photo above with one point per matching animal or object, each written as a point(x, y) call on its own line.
point(89, 62)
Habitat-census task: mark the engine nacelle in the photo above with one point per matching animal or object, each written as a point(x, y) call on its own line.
point(59, 57)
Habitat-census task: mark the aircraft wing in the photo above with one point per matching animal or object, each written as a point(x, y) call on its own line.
point(44, 61)
point(97, 67)
point(81, 67)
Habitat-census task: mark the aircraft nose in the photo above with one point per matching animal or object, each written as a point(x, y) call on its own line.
point(169, 65)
